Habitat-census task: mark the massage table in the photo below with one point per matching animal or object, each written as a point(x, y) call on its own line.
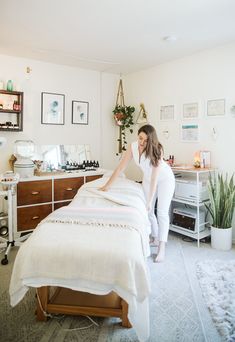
point(89, 258)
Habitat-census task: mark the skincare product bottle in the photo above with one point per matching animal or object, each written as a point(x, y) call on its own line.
point(10, 85)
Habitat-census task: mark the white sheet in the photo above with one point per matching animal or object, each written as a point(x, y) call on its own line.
point(97, 244)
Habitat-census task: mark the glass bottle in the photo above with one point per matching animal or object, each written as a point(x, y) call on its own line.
point(9, 85)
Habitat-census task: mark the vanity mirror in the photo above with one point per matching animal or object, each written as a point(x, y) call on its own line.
point(56, 157)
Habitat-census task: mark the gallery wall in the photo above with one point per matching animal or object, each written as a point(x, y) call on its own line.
point(204, 76)
point(207, 75)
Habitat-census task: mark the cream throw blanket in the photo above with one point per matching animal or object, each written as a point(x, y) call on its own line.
point(97, 244)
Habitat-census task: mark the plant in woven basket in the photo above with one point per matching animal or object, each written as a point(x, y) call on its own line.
point(123, 116)
point(222, 200)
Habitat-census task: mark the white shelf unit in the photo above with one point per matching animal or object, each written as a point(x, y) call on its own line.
point(196, 175)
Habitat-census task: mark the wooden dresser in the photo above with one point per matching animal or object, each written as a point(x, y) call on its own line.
point(37, 197)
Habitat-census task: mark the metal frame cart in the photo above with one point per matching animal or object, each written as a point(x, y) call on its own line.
point(9, 184)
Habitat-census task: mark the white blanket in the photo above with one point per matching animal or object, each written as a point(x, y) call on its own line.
point(97, 244)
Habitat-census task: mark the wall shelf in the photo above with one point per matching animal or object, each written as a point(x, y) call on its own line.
point(11, 111)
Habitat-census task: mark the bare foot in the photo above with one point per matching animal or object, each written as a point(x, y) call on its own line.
point(161, 252)
point(153, 241)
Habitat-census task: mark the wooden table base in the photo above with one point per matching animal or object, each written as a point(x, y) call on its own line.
point(69, 302)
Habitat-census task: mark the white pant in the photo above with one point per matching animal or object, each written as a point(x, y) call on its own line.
point(163, 195)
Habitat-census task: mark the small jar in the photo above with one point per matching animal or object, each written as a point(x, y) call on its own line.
point(15, 105)
point(10, 85)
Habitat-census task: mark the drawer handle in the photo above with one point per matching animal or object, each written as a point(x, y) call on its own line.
point(35, 217)
point(35, 192)
point(69, 189)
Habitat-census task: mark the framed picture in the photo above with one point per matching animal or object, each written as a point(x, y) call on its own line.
point(190, 110)
point(216, 107)
point(80, 111)
point(189, 132)
point(167, 113)
point(52, 109)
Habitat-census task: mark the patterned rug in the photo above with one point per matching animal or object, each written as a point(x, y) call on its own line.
point(217, 281)
point(174, 314)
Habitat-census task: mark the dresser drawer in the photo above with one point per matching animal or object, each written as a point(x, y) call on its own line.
point(34, 192)
point(61, 204)
point(91, 178)
point(29, 217)
point(67, 188)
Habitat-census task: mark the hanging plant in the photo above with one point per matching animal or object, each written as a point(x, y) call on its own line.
point(123, 116)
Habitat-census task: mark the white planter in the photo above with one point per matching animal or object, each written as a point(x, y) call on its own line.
point(221, 238)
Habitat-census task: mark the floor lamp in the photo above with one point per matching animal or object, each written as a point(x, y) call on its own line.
point(9, 181)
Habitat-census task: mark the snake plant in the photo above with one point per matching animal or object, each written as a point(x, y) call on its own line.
point(221, 192)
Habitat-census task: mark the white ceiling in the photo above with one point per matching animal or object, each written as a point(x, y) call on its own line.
point(119, 36)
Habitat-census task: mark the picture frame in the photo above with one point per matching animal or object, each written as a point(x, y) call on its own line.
point(80, 112)
point(52, 108)
point(216, 107)
point(190, 110)
point(190, 132)
point(167, 112)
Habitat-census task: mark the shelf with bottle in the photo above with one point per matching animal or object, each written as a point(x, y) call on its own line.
point(11, 110)
point(2, 110)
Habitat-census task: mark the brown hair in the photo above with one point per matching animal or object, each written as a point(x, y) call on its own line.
point(154, 148)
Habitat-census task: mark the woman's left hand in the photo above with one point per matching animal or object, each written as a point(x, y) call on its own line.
point(103, 188)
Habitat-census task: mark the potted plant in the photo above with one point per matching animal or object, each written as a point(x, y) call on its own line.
point(221, 192)
point(123, 116)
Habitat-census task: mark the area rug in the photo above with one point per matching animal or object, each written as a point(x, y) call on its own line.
point(217, 281)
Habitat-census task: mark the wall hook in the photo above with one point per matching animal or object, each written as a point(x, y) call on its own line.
point(166, 133)
point(214, 133)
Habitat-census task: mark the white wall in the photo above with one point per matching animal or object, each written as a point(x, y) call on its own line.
point(75, 84)
point(109, 131)
point(197, 78)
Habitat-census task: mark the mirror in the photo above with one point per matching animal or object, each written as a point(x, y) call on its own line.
point(57, 156)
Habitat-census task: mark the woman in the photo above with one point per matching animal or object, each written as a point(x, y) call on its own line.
point(158, 182)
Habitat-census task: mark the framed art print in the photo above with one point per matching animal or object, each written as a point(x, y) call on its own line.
point(189, 132)
point(80, 112)
point(167, 113)
point(190, 110)
point(216, 107)
point(52, 109)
